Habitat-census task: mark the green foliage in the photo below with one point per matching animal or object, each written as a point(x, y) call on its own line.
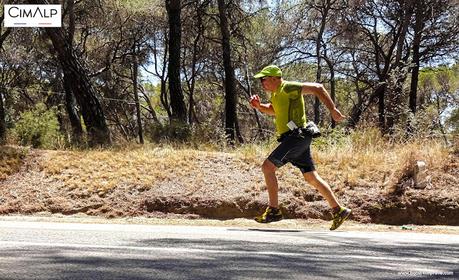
point(440, 78)
point(38, 127)
point(262, 32)
point(303, 72)
point(345, 96)
point(155, 98)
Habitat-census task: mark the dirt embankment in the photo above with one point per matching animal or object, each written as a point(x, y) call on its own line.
point(215, 185)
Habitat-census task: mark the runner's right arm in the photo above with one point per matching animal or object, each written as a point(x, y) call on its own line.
point(266, 108)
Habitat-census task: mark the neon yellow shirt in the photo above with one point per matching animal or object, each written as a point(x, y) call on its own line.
point(288, 104)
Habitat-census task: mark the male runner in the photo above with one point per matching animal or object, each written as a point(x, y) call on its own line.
point(287, 106)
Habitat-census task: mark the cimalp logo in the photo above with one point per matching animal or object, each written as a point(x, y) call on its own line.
point(32, 16)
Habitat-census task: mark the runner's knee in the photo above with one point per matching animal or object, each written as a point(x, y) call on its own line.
point(268, 167)
point(312, 177)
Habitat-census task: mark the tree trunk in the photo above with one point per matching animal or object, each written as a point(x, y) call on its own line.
point(2, 120)
point(361, 106)
point(175, 88)
point(71, 12)
point(332, 92)
point(323, 21)
point(3, 36)
point(136, 93)
point(418, 27)
point(416, 56)
point(191, 82)
point(408, 12)
point(318, 80)
point(150, 107)
point(356, 112)
point(231, 125)
point(332, 83)
point(380, 92)
point(74, 117)
point(414, 80)
point(164, 99)
point(8, 30)
point(249, 93)
point(70, 102)
point(80, 85)
point(398, 73)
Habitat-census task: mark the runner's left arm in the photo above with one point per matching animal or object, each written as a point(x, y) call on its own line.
point(319, 91)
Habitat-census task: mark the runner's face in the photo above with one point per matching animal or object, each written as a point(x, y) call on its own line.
point(269, 83)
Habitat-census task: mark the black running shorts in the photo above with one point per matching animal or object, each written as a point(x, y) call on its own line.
point(294, 148)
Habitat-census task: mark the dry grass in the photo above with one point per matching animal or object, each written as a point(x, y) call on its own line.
point(378, 165)
point(101, 171)
point(11, 159)
point(362, 159)
point(359, 160)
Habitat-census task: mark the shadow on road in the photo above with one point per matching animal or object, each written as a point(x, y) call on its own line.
point(171, 258)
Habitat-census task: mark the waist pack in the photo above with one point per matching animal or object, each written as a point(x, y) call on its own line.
point(311, 129)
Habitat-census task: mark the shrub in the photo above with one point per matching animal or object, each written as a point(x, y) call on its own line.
point(39, 128)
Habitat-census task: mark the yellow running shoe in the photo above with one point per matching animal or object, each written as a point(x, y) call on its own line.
point(270, 215)
point(340, 217)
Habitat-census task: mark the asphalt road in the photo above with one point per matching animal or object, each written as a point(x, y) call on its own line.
point(38, 250)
